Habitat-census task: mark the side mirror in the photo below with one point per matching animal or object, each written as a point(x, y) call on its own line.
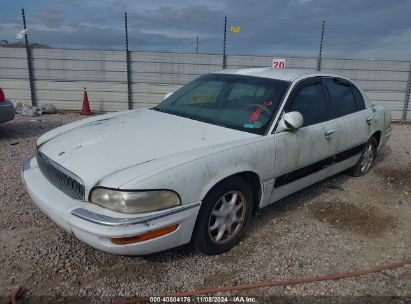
point(291, 121)
point(168, 95)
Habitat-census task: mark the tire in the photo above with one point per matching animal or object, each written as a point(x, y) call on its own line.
point(229, 203)
point(367, 158)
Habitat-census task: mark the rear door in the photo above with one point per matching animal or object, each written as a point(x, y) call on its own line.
point(351, 120)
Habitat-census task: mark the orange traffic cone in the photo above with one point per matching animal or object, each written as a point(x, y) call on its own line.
point(86, 105)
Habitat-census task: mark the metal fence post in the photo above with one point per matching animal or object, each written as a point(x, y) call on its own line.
point(29, 63)
point(321, 47)
point(225, 41)
point(407, 95)
point(130, 101)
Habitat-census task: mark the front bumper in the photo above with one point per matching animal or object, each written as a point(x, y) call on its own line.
point(6, 111)
point(95, 225)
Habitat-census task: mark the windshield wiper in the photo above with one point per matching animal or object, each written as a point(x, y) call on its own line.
point(158, 109)
point(193, 117)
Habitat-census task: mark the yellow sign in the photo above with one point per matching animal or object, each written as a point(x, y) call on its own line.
point(235, 29)
point(202, 99)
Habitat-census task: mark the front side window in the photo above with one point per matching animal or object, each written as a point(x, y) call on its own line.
point(342, 97)
point(240, 102)
point(310, 101)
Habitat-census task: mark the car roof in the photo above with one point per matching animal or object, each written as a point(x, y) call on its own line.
point(288, 74)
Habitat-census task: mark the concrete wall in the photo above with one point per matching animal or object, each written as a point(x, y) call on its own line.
point(61, 74)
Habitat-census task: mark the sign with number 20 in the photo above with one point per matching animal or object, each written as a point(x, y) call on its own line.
point(278, 63)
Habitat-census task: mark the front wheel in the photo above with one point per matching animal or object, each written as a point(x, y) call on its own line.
point(223, 217)
point(367, 158)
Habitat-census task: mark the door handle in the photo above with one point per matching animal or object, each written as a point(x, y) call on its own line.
point(329, 134)
point(369, 120)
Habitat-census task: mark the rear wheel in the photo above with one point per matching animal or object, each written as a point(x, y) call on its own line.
point(223, 217)
point(366, 160)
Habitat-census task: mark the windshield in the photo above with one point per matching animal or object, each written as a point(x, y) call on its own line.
point(234, 101)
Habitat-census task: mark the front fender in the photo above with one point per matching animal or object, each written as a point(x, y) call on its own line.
point(192, 180)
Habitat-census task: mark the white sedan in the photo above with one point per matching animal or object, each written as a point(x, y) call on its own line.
point(197, 166)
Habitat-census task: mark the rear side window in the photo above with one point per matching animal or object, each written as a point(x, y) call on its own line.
point(359, 99)
point(342, 98)
point(310, 101)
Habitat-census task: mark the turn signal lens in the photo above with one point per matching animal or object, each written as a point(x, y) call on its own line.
point(144, 237)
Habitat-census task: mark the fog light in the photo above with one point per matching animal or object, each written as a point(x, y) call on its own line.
point(145, 236)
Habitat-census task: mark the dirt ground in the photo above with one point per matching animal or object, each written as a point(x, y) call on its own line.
point(342, 224)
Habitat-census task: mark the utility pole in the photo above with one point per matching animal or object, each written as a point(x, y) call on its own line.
point(321, 47)
point(29, 62)
point(197, 44)
point(225, 41)
point(130, 101)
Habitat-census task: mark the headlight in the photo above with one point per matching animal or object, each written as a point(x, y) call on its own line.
point(134, 201)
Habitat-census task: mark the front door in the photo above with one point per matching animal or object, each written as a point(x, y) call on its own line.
point(303, 157)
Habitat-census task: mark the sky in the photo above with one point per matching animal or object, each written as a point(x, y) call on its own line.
point(377, 29)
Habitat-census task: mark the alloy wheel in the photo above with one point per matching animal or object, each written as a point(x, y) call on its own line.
point(227, 217)
point(367, 158)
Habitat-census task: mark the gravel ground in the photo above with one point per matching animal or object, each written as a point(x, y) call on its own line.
point(340, 225)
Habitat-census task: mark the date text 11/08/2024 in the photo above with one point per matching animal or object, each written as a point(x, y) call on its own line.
point(203, 299)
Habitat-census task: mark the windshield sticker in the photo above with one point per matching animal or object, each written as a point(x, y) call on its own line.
point(202, 99)
point(253, 125)
point(260, 109)
point(257, 124)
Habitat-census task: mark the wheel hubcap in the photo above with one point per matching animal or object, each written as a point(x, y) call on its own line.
point(367, 158)
point(227, 217)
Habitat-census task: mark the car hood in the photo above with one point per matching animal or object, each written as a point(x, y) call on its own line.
point(100, 147)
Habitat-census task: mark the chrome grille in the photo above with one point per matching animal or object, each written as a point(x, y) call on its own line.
point(60, 177)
